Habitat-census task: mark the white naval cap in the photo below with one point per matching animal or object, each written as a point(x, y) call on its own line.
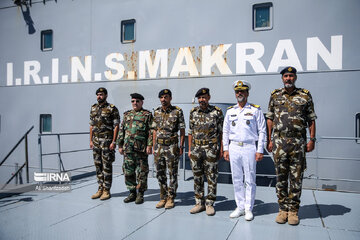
point(241, 85)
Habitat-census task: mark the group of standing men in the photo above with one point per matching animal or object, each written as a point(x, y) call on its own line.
point(240, 138)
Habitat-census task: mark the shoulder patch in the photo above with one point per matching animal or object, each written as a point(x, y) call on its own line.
point(112, 105)
point(193, 109)
point(305, 91)
point(254, 105)
point(275, 91)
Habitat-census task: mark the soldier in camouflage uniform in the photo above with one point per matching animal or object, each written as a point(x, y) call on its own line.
point(135, 143)
point(168, 120)
point(205, 149)
point(291, 111)
point(104, 127)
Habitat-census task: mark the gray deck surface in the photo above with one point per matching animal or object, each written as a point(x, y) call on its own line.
point(73, 215)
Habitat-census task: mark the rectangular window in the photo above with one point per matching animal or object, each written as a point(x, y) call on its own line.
point(46, 40)
point(357, 127)
point(262, 16)
point(128, 31)
point(45, 123)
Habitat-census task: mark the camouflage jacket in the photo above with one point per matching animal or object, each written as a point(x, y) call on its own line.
point(104, 118)
point(135, 131)
point(291, 113)
point(206, 124)
point(168, 122)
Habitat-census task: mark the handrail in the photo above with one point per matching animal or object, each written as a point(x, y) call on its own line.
point(17, 144)
point(58, 152)
point(26, 163)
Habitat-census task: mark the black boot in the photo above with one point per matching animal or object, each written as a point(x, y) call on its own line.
point(131, 197)
point(140, 198)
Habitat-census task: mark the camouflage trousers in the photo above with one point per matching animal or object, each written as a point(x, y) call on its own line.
point(136, 169)
point(103, 159)
point(167, 157)
point(204, 161)
point(290, 163)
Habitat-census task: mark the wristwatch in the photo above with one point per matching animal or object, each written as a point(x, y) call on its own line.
point(313, 139)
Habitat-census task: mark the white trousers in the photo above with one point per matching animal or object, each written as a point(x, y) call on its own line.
point(243, 169)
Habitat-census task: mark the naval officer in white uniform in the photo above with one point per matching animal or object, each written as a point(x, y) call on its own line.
point(244, 138)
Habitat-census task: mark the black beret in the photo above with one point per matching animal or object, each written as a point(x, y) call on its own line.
point(137, 96)
point(288, 70)
point(202, 91)
point(165, 91)
point(103, 90)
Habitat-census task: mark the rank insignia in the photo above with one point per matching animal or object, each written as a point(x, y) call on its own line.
point(233, 123)
point(247, 122)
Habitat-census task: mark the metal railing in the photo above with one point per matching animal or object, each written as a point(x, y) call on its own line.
point(317, 157)
point(59, 152)
point(26, 163)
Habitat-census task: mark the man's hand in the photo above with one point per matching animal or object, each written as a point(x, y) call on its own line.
point(91, 144)
point(269, 146)
point(121, 151)
point(189, 154)
point(259, 156)
point(226, 156)
point(181, 150)
point(112, 146)
point(149, 150)
point(310, 146)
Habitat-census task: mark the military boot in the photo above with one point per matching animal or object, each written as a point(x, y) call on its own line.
point(293, 218)
point(169, 203)
point(197, 208)
point(105, 195)
point(281, 217)
point(210, 210)
point(140, 198)
point(131, 197)
point(97, 194)
point(161, 204)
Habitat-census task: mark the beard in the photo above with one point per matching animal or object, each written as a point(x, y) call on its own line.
point(289, 85)
point(101, 100)
point(240, 99)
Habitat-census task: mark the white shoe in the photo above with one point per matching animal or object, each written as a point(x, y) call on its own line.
point(237, 213)
point(248, 215)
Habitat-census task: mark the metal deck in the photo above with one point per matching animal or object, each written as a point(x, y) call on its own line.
point(73, 215)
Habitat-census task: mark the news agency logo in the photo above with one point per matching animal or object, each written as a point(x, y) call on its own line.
point(52, 177)
point(46, 180)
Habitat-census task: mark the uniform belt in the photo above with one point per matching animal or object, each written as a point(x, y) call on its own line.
point(242, 143)
point(102, 134)
point(204, 142)
point(290, 134)
point(167, 141)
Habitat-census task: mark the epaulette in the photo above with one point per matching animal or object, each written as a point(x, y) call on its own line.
point(230, 107)
point(177, 108)
point(147, 111)
point(255, 106)
point(305, 90)
point(94, 105)
point(275, 91)
point(112, 105)
point(193, 109)
point(217, 108)
point(126, 112)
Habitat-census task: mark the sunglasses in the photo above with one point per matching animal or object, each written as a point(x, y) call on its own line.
point(133, 101)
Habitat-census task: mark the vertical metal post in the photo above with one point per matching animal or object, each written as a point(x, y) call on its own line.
point(317, 164)
point(184, 158)
point(17, 176)
point(27, 158)
point(59, 151)
point(40, 153)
